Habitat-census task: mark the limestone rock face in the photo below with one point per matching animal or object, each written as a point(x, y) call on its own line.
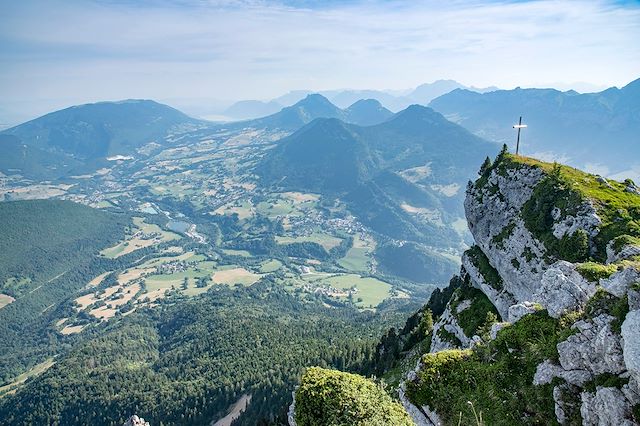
point(449, 324)
point(563, 289)
point(607, 407)
point(619, 282)
point(625, 252)
point(586, 219)
point(631, 338)
point(493, 213)
point(596, 348)
point(519, 275)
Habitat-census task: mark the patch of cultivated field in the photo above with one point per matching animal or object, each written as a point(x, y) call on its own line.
point(133, 274)
point(232, 252)
point(371, 290)
point(187, 257)
point(193, 273)
point(300, 198)
point(72, 329)
point(325, 240)
point(34, 371)
point(235, 276)
point(146, 235)
point(5, 299)
point(276, 207)
point(114, 303)
point(416, 174)
point(270, 266)
point(244, 209)
point(358, 256)
point(97, 280)
point(33, 192)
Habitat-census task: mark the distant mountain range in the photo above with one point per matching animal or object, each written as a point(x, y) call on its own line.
point(596, 131)
point(363, 112)
point(82, 136)
point(422, 95)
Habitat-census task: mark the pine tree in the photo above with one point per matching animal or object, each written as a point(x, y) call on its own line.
point(486, 166)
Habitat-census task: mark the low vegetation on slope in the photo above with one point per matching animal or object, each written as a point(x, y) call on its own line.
point(496, 378)
point(332, 398)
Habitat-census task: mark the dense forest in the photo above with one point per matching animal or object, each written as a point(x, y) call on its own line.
point(48, 250)
point(188, 362)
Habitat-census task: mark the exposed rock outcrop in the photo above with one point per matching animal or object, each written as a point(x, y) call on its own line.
point(524, 263)
point(136, 421)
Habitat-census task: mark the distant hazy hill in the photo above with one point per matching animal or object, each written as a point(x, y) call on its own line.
point(593, 128)
point(244, 110)
point(367, 112)
point(317, 106)
point(59, 141)
point(404, 177)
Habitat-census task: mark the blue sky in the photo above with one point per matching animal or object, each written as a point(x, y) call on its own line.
point(55, 53)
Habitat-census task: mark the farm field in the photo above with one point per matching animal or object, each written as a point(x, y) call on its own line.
point(358, 257)
point(235, 275)
point(147, 234)
point(270, 266)
point(325, 240)
point(371, 290)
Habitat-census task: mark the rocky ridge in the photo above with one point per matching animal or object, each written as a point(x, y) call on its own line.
point(547, 246)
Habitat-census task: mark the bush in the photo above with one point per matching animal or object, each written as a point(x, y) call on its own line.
point(329, 397)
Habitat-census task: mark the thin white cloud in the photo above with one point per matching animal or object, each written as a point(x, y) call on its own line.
point(231, 50)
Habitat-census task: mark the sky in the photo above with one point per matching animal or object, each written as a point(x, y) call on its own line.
point(203, 54)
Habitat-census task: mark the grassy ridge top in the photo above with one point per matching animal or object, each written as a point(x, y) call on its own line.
point(605, 196)
point(565, 190)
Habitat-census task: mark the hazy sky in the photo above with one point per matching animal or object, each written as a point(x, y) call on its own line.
point(55, 53)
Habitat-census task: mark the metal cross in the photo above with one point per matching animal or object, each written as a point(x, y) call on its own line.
point(519, 126)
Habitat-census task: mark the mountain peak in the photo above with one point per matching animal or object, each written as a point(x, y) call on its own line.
point(315, 99)
point(367, 112)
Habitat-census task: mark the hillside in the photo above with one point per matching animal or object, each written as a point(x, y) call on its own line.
point(541, 324)
point(86, 135)
point(591, 129)
point(401, 177)
point(48, 248)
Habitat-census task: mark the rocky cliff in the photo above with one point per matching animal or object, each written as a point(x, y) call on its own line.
point(542, 325)
point(556, 255)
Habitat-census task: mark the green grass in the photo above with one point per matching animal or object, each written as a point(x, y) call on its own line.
point(496, 377)
point(488, 272)
point(270, 266)
point(165, 281)
point(593, 271)
point(371, 290)
point(140, 225)
point(476, 315)
point(276, 207)
point(231, 252)
point(325, 240)
point(357, 259)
